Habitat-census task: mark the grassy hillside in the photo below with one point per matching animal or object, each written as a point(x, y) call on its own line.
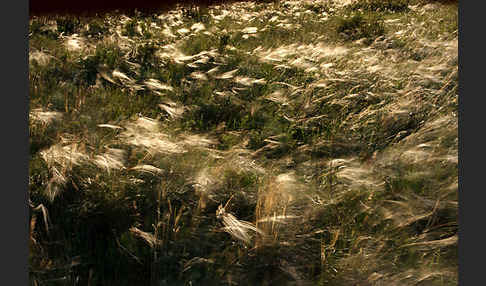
point(251, 143)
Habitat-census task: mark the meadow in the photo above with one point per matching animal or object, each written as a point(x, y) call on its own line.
point(248, 143)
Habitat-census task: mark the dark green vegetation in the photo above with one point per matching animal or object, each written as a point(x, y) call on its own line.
point(267, 143)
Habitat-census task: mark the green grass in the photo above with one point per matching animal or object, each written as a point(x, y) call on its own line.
point(336, 137)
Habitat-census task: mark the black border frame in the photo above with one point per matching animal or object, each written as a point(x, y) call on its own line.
point(470, 197)
point(14, 210)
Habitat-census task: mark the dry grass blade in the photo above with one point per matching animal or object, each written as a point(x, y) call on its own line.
point(148, 169)
point(198, 76)
point(196, 140)
point(54, 187)
point(277, 218)
point(111, 159)
point(278, 97)
point(121, 76)
point(198, 27)
point(33, 221)
point(65, 156)
point(227, 75)
point(428, 245)
point(45, 215)
point(40, 58)
point(145, 134)
point(239, 229)
point(44, 117)
point(74, 43)
point(151, 240)
point(248, 81)
point(250, 30)
point(154, 84)
point(172, 109)
point(196, 260)
point(110, 126)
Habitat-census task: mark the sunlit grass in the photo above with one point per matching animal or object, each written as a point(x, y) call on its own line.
point(277, 141)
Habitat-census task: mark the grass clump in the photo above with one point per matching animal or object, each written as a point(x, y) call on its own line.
point(380, 6)
point(196, 13)
point(359, 26)
point(96, 29)
point(68, 25)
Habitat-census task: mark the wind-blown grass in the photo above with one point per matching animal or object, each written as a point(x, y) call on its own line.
point(262, 143)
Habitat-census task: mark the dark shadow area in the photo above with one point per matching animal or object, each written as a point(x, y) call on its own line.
point(91, 7)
